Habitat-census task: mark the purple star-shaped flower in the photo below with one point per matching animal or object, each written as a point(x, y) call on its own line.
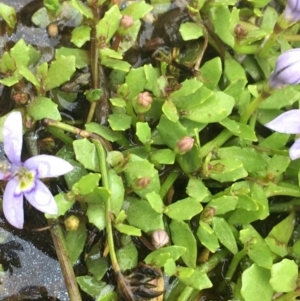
point(23, 178)
point(288, 123)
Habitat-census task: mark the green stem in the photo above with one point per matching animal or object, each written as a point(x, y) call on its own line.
point(65, 263)
point(292, 38)
point(108, 213)
point(215, 143)
point(266, 47)
point(285, 207)
point(168, 182)
point(232, 268)
point(61, 135)
point(206, 267)
point(77, 131)
point(251, 108)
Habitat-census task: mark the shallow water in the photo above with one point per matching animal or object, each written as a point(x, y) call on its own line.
point(37, 269)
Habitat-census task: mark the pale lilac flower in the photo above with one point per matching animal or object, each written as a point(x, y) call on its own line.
point(288, 123)
point(23, 178)
point(287, 69)
point(292, 11)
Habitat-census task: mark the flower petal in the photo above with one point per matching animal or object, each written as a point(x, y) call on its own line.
point(13, 205)
point(48, 166)
point(295, 150)
point(287, 123)
point(41, 198)
point(12, 132)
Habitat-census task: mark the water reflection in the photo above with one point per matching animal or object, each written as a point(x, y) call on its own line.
point(28, 269)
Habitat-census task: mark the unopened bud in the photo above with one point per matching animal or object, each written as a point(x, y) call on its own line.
point(160, 238)
point(141, 183)
point(52, 30)
point(292, 11)
point(184, 145)
point(145, 99)
point(286, 69)
point(72, 223)
point(126, 21)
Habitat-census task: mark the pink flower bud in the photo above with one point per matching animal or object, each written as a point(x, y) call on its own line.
point(126, 21)
point(145, 99)
point(142, 183)
point(184, 145)
point(160, 238)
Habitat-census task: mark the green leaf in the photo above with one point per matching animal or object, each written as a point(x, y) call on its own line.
point(183, 236)
point(226, 170)
point(43, 107)
point(86, 184)
point(208, 237)
point(119, 121)
point(197, 190)
point(155, 201)
point(211, 71)
point(128, 230)
point(193, 278)
point(255, 282)
point(9, 15)
point(41, 18)
point(161, 256)
point(96, 215)
point(29, 76)
point(223, 204)
point(93, 287)
point(117, 190)
point(20, 53)
point(239, 129)
point(80, 35)
point(86, 154)
point(109, 24)
point(170, 111)
point(137, 10)
point(102, 131)
point(162, 156)
point(281, 98)
point(221, 21)
point(183, 209)
point(141, 215)
point(127, 255)
point(143, 132)
point(284, 276)
point(59, 72)
point(190, 31)
point(63, 206)
point(75, 241)
point(82, 58)
point(251, 159)
point(214, 109)
point(256, 248)
point(86, 11)
point(225, 234)
point(96, 264)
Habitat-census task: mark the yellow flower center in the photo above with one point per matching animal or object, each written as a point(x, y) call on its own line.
point(25, 179)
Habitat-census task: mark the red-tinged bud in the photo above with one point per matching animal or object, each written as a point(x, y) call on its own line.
point(72, 223)
point(141, 183)
point(126, 21)
point(184, 145)
point(160, 238)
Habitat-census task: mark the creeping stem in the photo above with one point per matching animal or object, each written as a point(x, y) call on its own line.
point(65, 263)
